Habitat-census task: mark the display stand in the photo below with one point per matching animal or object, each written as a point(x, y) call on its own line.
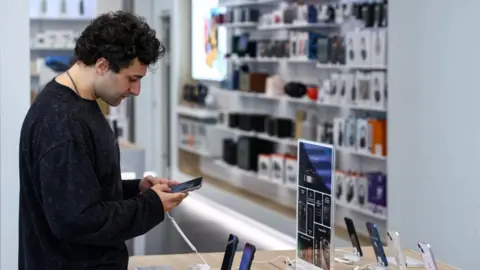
point(315, 205)
point(353, 257)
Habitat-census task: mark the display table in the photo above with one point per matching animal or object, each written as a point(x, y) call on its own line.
point(183, 261)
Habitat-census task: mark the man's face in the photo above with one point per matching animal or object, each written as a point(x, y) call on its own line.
point(113, 87)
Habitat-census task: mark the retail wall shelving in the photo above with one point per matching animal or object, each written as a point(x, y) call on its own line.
point(356, 166)
point(54, 27)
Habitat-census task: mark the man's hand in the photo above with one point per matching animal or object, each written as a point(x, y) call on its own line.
point(169, 200)
point(149, 181)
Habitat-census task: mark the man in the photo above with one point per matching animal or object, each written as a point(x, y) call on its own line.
point(75, 211)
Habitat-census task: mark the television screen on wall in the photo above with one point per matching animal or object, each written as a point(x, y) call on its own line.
point(209, 42)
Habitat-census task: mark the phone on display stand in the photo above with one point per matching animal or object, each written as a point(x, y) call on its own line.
point(428, 259)
point(377, 244)
point(352, 233)
point(230, 250)
point(247, 256)
point(188, 186)
point(396, 248)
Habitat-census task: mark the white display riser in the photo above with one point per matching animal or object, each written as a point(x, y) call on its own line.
point(274, 191)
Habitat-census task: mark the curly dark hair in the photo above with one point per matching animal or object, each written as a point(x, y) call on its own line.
point(119, 37)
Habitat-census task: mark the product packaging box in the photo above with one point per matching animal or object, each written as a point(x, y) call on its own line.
point(278, 168)
point(340, 187)
point(377, 193)
point(362, 192)
point(350, 184)
point(364, 136)
point(264, 167)
point(291, 171)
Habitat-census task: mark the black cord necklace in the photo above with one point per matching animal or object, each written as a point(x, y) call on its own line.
point(74, 85)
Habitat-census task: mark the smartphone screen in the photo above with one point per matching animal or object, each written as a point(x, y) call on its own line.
point(247, 257)
point(353, 235)
point(230, 252)
point(377, 244)
point(186, 186)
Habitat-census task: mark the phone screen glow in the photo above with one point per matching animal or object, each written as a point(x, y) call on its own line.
point(246, 258)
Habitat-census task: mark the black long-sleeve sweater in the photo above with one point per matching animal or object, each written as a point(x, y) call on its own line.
point(75, 211)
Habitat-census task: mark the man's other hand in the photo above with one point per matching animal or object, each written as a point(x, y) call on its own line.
point(169, 200)
point(149, 181)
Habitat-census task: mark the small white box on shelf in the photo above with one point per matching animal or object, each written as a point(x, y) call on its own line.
point(291, 172)
point(302, 15)
point(54, 39)
point(324, 93)
point(76, 9)
point(352, 47)
point(278, 168)
point(41, 41)
point(379, 91)
point(339, 132)
point(364, 89)
point(342, 91)
point(222, 118)
point(49, 8)
point(201, 137)
point(364, 136)
point(66, 38)
point(362, 192)
point(185, 131)
point(379, 47)
point(350, 184)
point(264, 166)
point(365, 48)
point(335, 87)
point(340, 187)
point(348, 94)
point(351, 132)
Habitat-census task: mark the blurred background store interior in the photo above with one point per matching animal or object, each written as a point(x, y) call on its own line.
point(243, 81)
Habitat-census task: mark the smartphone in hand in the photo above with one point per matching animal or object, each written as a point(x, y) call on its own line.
point(188, 186)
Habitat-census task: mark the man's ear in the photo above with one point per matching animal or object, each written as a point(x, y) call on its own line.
point(101, 66)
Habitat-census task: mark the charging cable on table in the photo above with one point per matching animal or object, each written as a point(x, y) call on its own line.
point(287, 260)
point(364, 267)
point(185, 238)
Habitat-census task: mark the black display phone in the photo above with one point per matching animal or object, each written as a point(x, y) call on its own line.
point(377, 244)
point(188, 186)
point(230, 250)
point(247, 256)
point(352, 233)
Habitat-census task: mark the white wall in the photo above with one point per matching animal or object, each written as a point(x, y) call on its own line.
point(181, 36)
point(144, 102)
point(149, 128)
point(14, 102)
point(434, 127)
point(108, 6)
